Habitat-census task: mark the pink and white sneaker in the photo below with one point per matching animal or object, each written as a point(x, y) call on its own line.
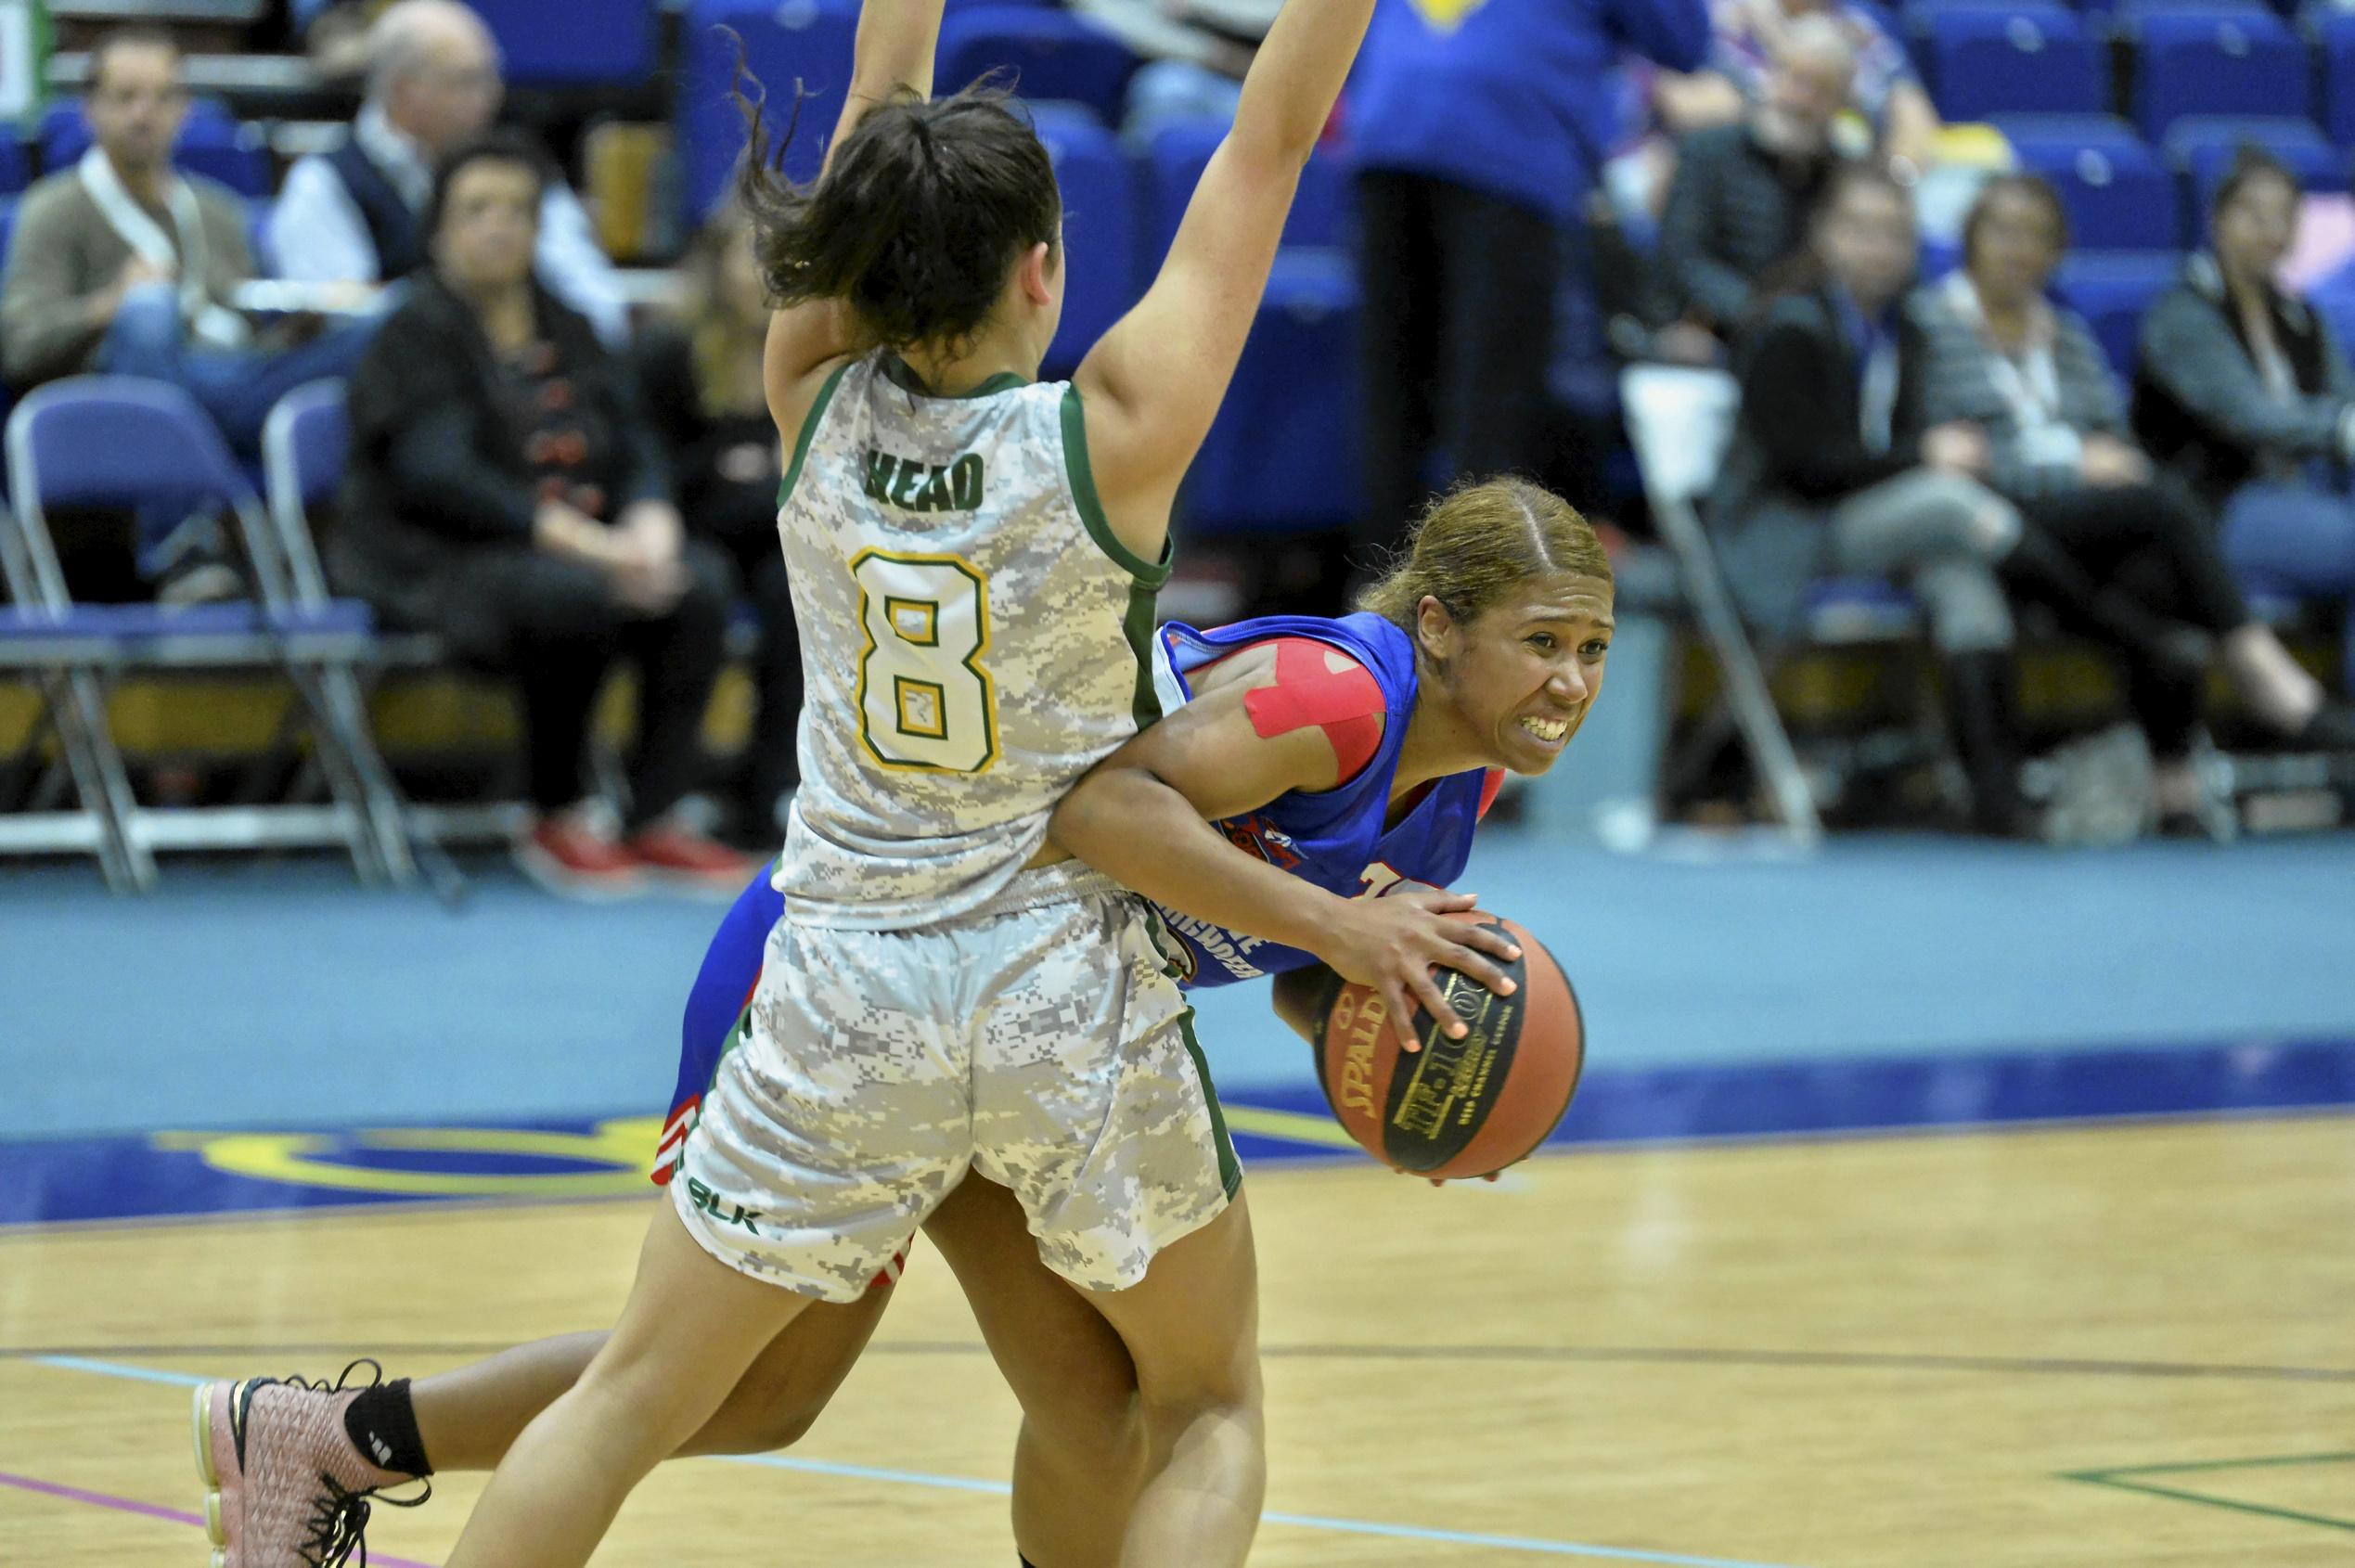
point(284, 1486)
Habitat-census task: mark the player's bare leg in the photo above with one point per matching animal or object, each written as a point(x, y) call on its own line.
point(691, 1328)
point(1080, 1455)
point(1191, 1325)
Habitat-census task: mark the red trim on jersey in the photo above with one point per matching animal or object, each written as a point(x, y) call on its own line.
point(1347, 705)
point(1488, 787)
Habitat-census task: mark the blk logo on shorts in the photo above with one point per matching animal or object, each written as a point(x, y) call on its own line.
point(710, 1202)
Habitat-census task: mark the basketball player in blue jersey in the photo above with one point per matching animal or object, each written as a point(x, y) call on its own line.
point(973, 557)
point(1325, 759)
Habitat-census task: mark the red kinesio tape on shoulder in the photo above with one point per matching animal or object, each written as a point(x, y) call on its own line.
point(1346, 703)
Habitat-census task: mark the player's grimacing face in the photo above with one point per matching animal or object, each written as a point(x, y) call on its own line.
point(1526, 670)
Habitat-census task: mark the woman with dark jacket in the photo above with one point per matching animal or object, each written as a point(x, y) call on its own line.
point(2033, 380)
point(2244, 392)
point(504, 492)
point(700, 379)
point(1836, 468)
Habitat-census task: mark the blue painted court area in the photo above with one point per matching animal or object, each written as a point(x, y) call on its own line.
point(365, 1044)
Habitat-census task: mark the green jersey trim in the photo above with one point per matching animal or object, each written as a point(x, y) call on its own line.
point(1229, 1168)
point(809, 433)
point(1152, 574)
point(903, 375)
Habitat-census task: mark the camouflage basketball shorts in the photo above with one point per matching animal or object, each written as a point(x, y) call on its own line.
point(1040, 1041)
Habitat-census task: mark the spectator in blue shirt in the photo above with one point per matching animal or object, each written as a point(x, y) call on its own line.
point(1477, 128)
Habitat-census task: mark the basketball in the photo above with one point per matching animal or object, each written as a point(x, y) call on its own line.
point(1457, 1108)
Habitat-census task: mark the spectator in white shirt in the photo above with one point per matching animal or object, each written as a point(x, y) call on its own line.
point(353, 214)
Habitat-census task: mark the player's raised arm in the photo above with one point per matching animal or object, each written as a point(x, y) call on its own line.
point(890, 58)
point(1144, 815)
point(1153, 383)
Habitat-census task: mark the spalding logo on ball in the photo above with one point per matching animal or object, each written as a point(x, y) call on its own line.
point(1457, 1107)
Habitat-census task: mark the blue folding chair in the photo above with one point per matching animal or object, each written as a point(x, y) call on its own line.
point(2031, 57)
point(2335, 42)
point(212, 142)
point(1100, 235)
point(595, 44)
point(803, 43)
point(2206, 59)
point(306, 442)
point(1043, 53)
point(2112, 291)
point(2117, 194)
point(2203, 147)
point(118, 442)
point(1320, 211)
point(1283, 454)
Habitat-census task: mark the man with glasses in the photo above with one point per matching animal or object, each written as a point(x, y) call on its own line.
point(351, 215)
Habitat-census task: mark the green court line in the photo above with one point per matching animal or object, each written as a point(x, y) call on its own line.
point(2113, 1478)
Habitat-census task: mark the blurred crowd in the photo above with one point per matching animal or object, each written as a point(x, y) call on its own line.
point(1544, 191)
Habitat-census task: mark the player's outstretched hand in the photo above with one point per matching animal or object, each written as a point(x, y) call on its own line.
point(1393, 943)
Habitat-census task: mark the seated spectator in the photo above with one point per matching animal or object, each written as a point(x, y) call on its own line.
point(1832, 469)
point(1895, 114)
point(124, 265)
point(699, 376)
point(353, 216)
point(505, 492)
point(1742, 192)
point(2246, 394)
point(2033, 380)
point(1195, 54)
point(1751, 35)
point(1843, 463)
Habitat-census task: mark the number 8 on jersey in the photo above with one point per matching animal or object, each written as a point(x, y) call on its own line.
point(925, 700)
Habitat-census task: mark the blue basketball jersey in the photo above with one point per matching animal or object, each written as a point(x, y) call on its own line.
point(1334, 838)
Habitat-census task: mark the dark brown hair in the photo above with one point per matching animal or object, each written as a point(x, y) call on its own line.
point(2250, 165)
point(1477, 543)
point(2031, 187)
point(134, 35)
point(917, 220)
point(1801, 271)
point(491, 147)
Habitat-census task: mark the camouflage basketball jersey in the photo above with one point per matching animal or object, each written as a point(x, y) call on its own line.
point(974, 639)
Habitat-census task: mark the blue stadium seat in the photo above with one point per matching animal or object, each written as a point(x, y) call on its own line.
point(16, 169)
point(595, 44)
point(1046, 53)
point(1281, 455)
point(2202, 148)
point(1100, 235)
point(2112, 290)
point(809, 40)
point(1320, 212)
point(2202, 59)
point(2028, 57)
point(2119, 197)
point(2334, 40)
point(211, 143)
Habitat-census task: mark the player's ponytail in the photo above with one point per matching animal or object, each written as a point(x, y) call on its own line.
point(923, 211)
point(1477, 543)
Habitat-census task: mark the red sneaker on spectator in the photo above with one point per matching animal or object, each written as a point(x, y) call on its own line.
point(570, 856)
point(668, 853)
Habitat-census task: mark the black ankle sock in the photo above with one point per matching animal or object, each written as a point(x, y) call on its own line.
point(382, 1425)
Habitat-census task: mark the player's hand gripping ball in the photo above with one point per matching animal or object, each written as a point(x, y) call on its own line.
point(1457, 1108)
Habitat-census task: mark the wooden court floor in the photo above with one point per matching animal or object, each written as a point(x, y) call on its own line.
point(2102, 1345)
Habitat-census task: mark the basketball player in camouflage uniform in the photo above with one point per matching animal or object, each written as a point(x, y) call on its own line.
point(973, 557)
